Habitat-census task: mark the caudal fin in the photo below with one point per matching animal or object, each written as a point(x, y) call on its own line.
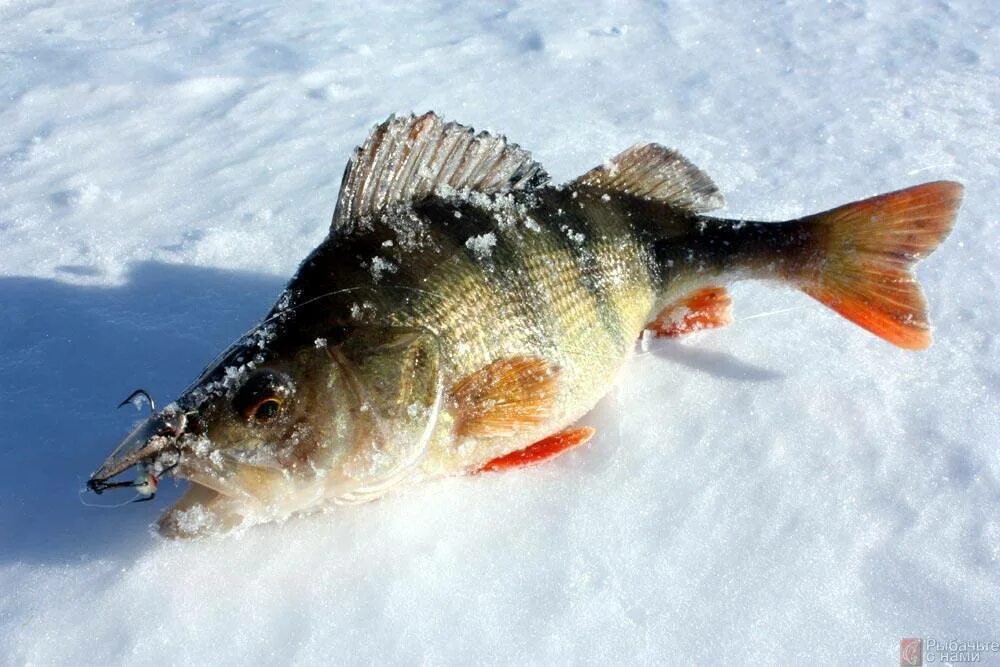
point(867, 251)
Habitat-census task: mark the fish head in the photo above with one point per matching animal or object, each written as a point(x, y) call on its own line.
point(289, 420)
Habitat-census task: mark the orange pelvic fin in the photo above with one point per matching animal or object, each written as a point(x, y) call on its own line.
point(705, 308)
point(868, 249)
point(505, 397)
point(543, 450)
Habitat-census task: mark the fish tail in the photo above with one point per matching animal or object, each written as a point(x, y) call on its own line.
point(862, 258)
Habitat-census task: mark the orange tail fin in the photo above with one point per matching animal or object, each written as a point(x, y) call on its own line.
point(868, 249)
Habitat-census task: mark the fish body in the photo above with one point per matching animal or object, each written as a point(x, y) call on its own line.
point(463, 314)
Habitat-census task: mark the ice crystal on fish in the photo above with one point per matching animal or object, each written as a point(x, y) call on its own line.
point(482, 245)
point(381, 266)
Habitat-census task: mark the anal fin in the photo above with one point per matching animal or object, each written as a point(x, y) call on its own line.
point(706, 308)
point(543, 450)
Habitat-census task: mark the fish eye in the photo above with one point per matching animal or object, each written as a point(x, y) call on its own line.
point(262, 396)
point(266, 410)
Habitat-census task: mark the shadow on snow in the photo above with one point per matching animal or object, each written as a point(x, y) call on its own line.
point(69, 354)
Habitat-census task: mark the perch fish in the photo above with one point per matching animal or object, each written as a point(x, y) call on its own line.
point(464, 313)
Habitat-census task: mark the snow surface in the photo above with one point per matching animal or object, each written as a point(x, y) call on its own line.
point(789, 489)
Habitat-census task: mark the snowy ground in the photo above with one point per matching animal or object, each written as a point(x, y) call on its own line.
point(789, 489)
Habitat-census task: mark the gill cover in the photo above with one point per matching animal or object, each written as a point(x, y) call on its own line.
point(393, 380)
point(374, 396)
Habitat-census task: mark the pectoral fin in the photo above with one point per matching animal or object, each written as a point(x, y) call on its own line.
point(543, 450)
point(504, 398)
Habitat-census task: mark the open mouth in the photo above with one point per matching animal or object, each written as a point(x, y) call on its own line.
point(152, 448)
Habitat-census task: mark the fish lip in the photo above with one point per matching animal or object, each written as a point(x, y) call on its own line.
point(160, 432)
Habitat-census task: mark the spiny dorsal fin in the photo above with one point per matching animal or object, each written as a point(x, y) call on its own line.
point(656, 172)
point(407, 159)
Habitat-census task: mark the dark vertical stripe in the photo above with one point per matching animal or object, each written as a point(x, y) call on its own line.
point(580, 218)
point(502, 269)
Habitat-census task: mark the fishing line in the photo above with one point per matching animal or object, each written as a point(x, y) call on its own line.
point(773, 312)
point(645, 346)
point(84, 490)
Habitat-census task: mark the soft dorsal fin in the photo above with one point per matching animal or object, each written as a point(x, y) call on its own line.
point(656, 172)
point(409, 158)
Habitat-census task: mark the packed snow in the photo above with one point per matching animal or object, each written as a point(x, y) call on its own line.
point(788, 489)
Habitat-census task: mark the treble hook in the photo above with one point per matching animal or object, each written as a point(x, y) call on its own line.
point(145, 488)
point(136, 398)
point(145, 484)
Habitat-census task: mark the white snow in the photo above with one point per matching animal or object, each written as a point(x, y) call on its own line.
point(788, 489)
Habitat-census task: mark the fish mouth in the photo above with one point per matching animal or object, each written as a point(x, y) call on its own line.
point(153, 446)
